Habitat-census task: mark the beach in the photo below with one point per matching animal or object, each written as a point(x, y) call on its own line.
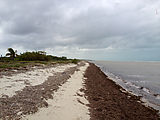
point(109, 101)
point(140, 78)
point(69, 92)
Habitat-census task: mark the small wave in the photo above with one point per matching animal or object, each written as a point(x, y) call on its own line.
point(157, 96)
point(145, 89)
point(132, 85)
point(142, 81)
point(136, 76)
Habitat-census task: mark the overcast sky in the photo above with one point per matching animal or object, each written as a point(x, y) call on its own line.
point(89, 29)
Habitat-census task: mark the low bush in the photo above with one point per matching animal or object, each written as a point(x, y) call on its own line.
point(33, 56)
point(37, 56)
point(75, 61)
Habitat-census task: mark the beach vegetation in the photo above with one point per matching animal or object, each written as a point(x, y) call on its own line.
point(75, 61)
point(11, 53)
point(13, 60)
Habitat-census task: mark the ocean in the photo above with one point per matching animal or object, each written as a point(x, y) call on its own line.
point(139, 78)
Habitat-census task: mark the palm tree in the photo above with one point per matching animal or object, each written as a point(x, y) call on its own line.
point(11, 53)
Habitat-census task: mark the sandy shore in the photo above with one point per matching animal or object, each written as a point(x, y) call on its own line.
point(9, 84)
point(24, 99)
point(69, 92)
point(108, 101)
point(67, 101)
point(52, 93)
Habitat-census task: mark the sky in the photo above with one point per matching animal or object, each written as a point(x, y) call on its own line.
point(118, 30)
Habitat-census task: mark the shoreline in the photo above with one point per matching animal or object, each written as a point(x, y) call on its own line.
point(107, 101)
point(136, 82)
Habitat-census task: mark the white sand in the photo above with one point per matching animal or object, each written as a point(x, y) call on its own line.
point(65, 105)
point(10, 84)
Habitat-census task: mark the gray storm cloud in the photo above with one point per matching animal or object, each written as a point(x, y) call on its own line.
point(79, 25)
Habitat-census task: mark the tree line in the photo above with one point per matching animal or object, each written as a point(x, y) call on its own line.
point(31, 56)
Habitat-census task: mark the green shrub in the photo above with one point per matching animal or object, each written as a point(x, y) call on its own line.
point(75, 61)
point(33, 56)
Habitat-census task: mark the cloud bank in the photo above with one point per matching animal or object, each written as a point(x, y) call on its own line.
point(90, 29)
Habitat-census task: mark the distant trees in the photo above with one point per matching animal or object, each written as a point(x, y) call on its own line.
point(33, 56)
point(11, 53)
point(40, 56)
point(1, 57)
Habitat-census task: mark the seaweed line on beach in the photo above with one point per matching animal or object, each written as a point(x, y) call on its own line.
point(109, 102)
point(31, 98)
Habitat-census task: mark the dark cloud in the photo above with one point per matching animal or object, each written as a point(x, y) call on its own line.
point(79, 27)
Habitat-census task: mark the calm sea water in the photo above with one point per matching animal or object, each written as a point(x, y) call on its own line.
point(140, 78)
